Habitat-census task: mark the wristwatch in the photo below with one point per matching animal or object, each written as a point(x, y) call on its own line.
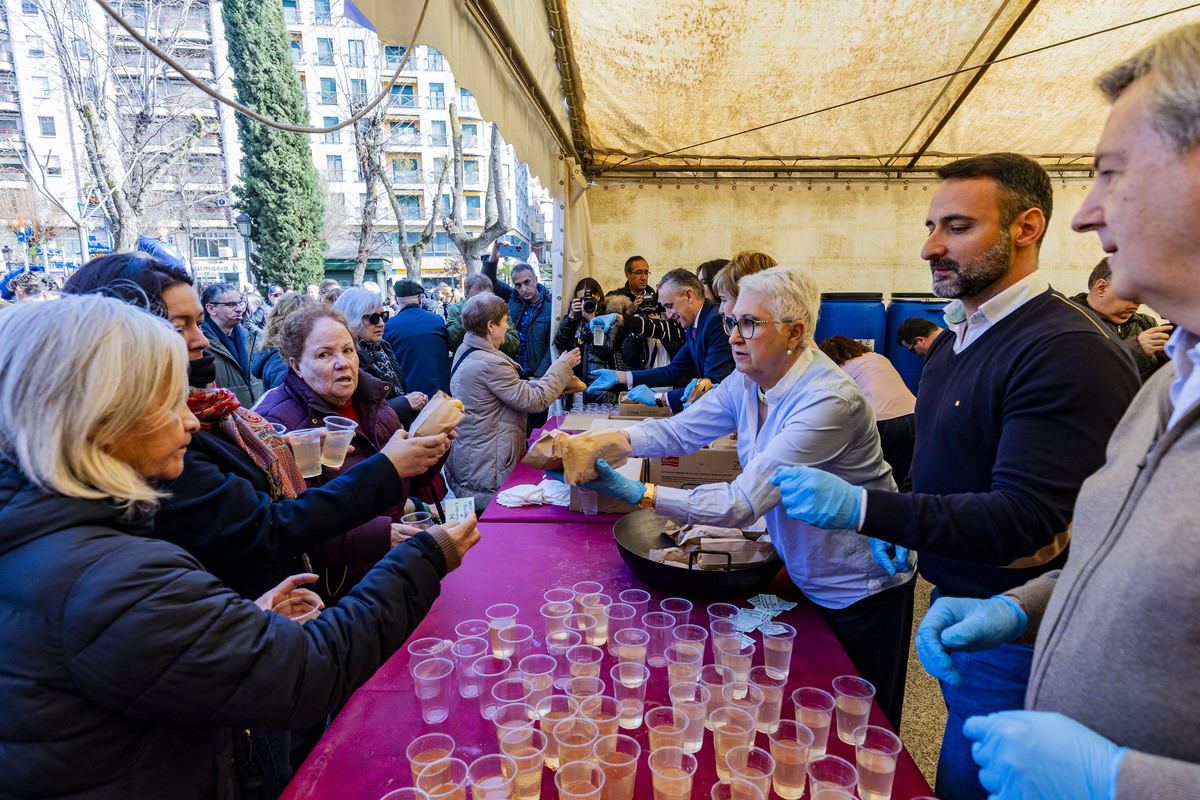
point(660, 398)
point(647, 500)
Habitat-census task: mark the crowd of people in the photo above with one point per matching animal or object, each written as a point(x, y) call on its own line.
point(157, 528)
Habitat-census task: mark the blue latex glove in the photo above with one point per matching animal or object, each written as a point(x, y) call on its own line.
point(889, 564)
point(687, 390)
point(616, 485)
point(642, 394)
point(605, 379)
point(1025, 755)
point(966, 623)
point(817, 498)
point(605, 321)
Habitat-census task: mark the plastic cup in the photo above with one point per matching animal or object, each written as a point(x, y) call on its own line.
point(750, 701)
point(853, 697)
point(620, 616)
point(673, 769)
point(714, 677)
point(575, 737)
point(471, 627)
point(589, 502)
point(512, 689)
point(659, 625)
point(424, 750)
point(492, 777)
point(558, 644)
point(731, 727)
point(465, 651)
point(737, 654)
point(407, 793)
point(597, 606)
point(584, 623)
point(677, 607)
point(490, 670)
point(427, 647)
point(538, 669)
point(632, 644)
point(721, 611)
point(790, 743)
point(777, 651)
point(511, 716)
point(751, 764)
point(579, 780)
point(638, 598)
point(772, 688)
point(693, 636)
point(585, 661)
point(431, 682)
point(603, 710)
point(583, 687)
point(831, 772)
point(418, 519)
point(735, 789)
point(629, 681)
point(597, 337)
point(526, 747)
point(683, 663)
point(876, 750)
point(666, 726)
point(517, 641)
point(306, 449)
point(339, 432)
point(617, 756)
point(559, 595)
point(299, 608)
point(814, 710)
point(722, 630)
point(692, 699)
point(582, 589)
point(551, 711)
point(500, 617)
point(444, 780)
point(553, 615)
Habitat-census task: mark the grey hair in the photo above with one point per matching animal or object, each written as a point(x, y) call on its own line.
point(478, 282)
point(682, 279)
point(356, 303)
point(789, 293)
point(56, 424)
point(481, 309)
point(210, 293)
point(1172, 101)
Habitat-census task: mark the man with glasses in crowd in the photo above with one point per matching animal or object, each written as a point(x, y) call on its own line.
point(916, 334)
point(230, 343)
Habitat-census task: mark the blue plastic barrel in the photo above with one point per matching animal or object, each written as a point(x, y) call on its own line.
point(856, 315)
point(902, 307)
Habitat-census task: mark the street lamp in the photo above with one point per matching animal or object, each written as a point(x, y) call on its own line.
point(243, 226)
point(6, 251)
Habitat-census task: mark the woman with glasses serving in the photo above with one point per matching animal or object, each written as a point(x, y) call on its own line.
point(231, 343)
point(789, 404)
point(367, 316)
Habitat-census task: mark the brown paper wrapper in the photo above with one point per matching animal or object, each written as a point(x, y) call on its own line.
point(703, 386)
point(546, 453)
point(574, 386)
point(582, 450)
point(440, 415)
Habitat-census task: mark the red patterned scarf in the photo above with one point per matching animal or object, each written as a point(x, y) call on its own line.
point(218, 409)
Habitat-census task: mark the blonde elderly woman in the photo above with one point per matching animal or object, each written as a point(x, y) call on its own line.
point(128, 668)
point(789, 404)
point(493, 436)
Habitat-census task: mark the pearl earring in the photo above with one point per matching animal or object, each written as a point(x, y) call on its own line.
point(789, 351)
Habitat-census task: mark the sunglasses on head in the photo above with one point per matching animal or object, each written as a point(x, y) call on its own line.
point(377, 317)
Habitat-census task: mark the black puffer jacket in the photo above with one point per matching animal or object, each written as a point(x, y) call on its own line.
point(125, 664)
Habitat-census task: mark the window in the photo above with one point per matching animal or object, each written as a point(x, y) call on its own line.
point(393, 55)
point(328, 92)
point(468, 100)
point(46, 126)
point(333, 164)
point(439, 165)
point(473, 209)
point(437, 136)
point(29, 7)
point(290, 15)
point(357, 54)
point(53, 165)
point(358, 91)
point(297, 49)
point(403, 96)
point(403, 132)
point(471, 172)
point(470, 135)
point(36, 48)
point(445, 204)
point(325, 52)
point(334, 137)
point(322, 12)
point(210, 245)
point(441, 243)
point(43, 85)
point(435, 60)
point(437, 95)
point(80, 49)
point(406, 169)
point(410, 205)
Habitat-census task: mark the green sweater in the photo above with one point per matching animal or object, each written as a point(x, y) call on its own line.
point(455, 331)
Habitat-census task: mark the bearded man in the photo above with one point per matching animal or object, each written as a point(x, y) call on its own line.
point(1014, 412)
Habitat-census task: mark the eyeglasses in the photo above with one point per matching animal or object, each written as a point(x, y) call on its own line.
point(377, 317)
point(231, 304)
point(639, 272)
point(745, 326)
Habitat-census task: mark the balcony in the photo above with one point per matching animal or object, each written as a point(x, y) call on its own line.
point(9, 100)
point(9, 133)
point(436, 101)
point(474, 214)
point(326, 98)
point(356, 60)
point(291, 16)
point(467, 105)
point(401, 142)
point(406, 176)
point(471, 141)
point(439, 140)
point(402, 101)
point(335, 175)
point(325, 59)
point(6, 61)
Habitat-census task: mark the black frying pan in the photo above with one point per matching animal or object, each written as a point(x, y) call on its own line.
point(640, 532)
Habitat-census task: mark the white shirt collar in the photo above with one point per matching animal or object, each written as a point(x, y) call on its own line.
point(788, 380)
point(991, 312)
point(1183, 348)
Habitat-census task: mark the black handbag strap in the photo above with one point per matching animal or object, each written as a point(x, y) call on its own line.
point(465, 356)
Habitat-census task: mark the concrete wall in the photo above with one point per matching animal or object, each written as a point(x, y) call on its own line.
point(865, 238)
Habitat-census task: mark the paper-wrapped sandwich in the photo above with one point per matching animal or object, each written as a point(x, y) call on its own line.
point(440, 415)
point(744, 547)
point(576, 455)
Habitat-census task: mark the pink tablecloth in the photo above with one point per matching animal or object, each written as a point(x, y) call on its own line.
point(361, 757)
point(557, 515)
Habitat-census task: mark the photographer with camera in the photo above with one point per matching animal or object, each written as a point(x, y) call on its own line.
point(595, 346)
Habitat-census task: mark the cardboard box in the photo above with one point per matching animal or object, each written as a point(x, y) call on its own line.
point(634, 469)
point(632, 408)
point(574, 423)
point(614, 423)
point(716, 463)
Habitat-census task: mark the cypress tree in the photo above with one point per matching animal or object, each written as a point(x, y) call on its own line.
point(279, 192)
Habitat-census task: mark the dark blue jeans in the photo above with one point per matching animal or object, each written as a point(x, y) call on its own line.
point(993, 680)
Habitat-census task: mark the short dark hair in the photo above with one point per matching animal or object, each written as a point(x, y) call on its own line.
point(912, 329)
point(32, 282)
point(521, 266)
point(681, 279)
point(842, 348)
point(629, 263)
point(134, 277)
point(210, 293)
point(481, 309)
point(709, 269)
point(1100, 272)
point(1023, 183)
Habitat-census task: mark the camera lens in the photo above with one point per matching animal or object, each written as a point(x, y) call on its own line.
point(589, 305)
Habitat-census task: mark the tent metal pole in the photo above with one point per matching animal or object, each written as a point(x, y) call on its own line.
point(572, 85)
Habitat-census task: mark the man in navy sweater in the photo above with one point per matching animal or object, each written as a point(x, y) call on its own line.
point(705, 353)
point(418, 339)
point(1014, 412)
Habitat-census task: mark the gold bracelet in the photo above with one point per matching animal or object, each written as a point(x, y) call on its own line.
point(647, 500)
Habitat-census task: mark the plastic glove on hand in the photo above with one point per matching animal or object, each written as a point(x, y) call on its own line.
point(605, 321)
point(817, 498)
point(604, 379)
point(615, 485)
point(886, 561)
point(967, 624)
point(642, 394)
point(687, 390)
point(1031, 754)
